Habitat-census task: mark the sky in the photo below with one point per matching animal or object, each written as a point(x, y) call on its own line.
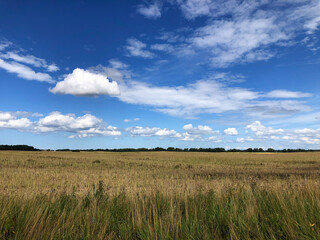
point(160, 73)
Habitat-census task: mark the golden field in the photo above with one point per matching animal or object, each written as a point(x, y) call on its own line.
point(29, 173)
point(164, 195)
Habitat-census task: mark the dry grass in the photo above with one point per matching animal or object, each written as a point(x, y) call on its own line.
point(159, 195)
point(31, 173)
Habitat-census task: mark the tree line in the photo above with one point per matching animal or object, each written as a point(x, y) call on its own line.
point(157, 149)
point(18, 148)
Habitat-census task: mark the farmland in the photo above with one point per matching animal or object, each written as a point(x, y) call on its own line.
point(159, 195)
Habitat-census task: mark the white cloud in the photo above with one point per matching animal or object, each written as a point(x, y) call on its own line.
point(300, 119)
point(111, 73)
point(170, 37)
point(25, 72)
point(187, 137)
point(262, 131)
point(215, 8)
point(240, 140)
point(238, 40)
point(4, 44)
point(287, 94)
point(205, 96)
point(299, 137)
point(195, 98)
point(85, 83)
point(118, 74)
point(227, 77)
point(257, 55)
point(149, 132)
point(30, 60)
point(14, 62)
point(190, 134)
point(250, 28)
point(115, 63)
point(164, 47)
point(167, 133)
point(83, 126)
point(52, 68)
point(132, 120)
point(247, 139)
point(214, 139)
point(137, 48)
point(90, 126)
point(276, 108)
point(5, 116)
point(200, 130)
point(107, 131)
point(306, 135)
point(57, 120)
point(152, 11)
point(142, 131)
point(195, 8)
point(308, 14)
point(21, 123)
point(10, 120)
point(231, 132)
point(313, 24)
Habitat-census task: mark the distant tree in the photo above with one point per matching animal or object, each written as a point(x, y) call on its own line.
point(159, 149)
point(18, 148)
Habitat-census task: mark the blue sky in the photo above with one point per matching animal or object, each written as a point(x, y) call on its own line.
point(182, 73)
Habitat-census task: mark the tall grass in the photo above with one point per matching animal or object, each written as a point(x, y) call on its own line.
point(159, 196)
point(233, 214)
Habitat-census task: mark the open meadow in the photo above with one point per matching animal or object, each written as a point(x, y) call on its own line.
point(159, 195)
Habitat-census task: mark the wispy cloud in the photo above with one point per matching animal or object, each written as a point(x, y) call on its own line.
point(238, 32)
point(30, 60)
point(136, 48)
point(14, 62)
point(131, 120)
point(195, 98)
point(162, 47)
point(215, 8)
point(152, 11)
point(238, 40)
point(25, 72)
point(205, 96)
point(287, 94)
point(117, 64)
point(4, 44)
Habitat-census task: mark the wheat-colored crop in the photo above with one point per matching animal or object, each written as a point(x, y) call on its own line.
point(159, 195)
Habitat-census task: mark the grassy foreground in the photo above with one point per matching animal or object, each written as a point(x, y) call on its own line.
point(48, 195)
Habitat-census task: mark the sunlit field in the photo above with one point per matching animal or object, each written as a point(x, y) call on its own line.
point(159, 195)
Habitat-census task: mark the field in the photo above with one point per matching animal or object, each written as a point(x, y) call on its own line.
point(159, 195)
